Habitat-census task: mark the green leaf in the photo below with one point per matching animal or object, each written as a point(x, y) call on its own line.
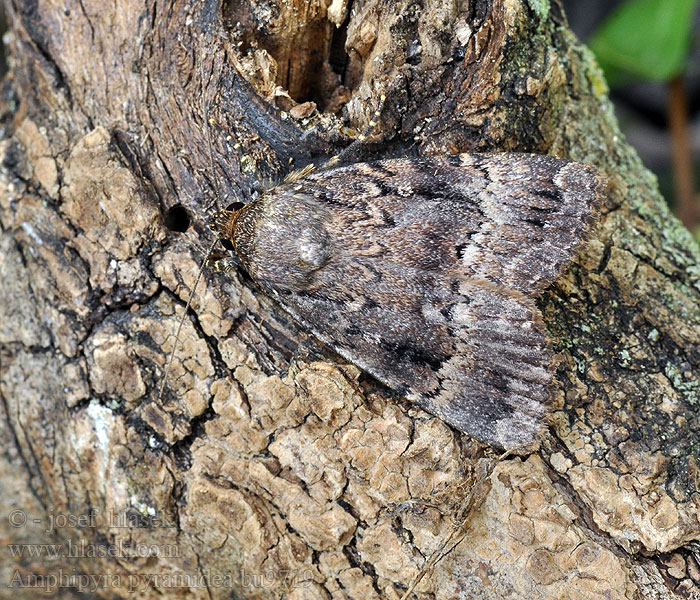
point(645, 39)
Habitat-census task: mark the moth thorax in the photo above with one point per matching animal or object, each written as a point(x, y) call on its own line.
point(281, 244)
point(313, 248)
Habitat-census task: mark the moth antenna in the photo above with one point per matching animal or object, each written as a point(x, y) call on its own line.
point(217, 192)
point(182, 321)
point(374, 121)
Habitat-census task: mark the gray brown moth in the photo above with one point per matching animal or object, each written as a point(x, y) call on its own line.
point(423, 272)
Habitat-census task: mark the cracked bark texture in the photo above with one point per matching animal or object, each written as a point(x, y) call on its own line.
point(271, 469)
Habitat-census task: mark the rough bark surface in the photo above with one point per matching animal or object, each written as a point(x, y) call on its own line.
point(271, 469)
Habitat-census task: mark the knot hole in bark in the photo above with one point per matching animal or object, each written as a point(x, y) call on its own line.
point(177, 218)
point(308, 49)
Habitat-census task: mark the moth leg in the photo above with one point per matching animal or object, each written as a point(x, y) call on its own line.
point(374, 121)
point(226, 264)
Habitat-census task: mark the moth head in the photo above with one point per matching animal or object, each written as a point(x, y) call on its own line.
point(224, 222)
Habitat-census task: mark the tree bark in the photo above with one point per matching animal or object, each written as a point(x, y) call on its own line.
point(270, 468)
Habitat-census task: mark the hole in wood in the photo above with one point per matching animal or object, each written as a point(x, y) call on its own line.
point(307, 50)
point(177, 219)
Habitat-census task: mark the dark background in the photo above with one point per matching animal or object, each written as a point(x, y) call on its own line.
point(641, 107)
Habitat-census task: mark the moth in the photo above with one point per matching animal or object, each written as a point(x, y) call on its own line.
point(424, 273)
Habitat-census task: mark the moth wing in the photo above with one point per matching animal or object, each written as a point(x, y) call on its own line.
point(514, 220)
point(473, 355)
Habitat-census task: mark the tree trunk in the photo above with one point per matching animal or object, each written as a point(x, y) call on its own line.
point(270, 467)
